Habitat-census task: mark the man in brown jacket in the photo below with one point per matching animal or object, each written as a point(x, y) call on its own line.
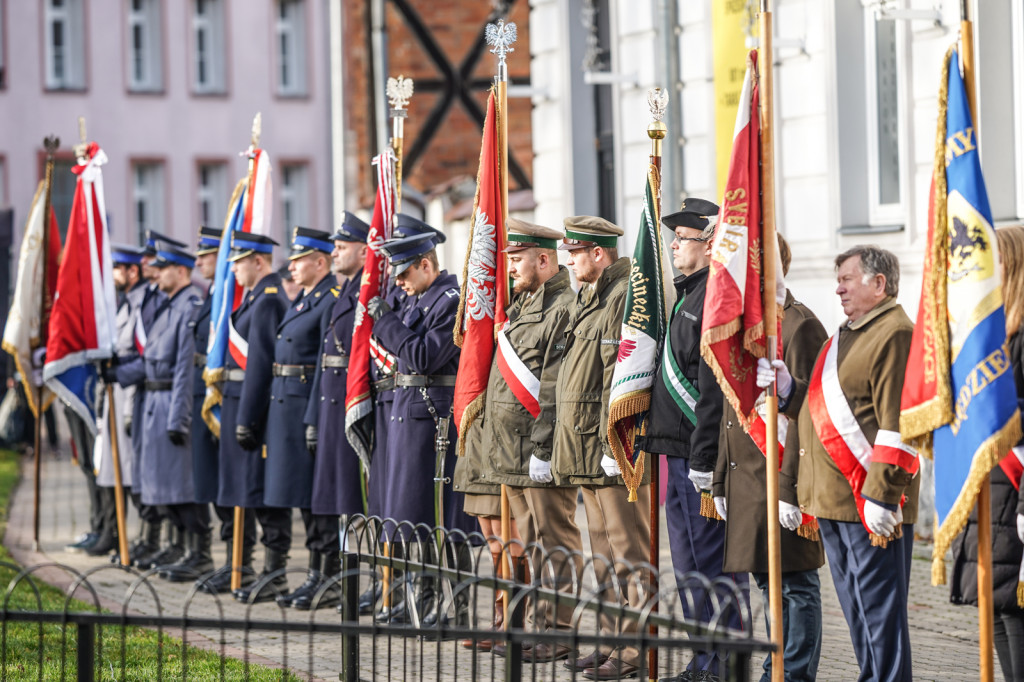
point(739, 490)
point(855, 474)
point(619, 530)
point(519, 418)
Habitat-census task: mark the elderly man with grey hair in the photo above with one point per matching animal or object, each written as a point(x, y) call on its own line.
point(855, 474)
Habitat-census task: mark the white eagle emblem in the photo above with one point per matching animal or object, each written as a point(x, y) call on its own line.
point(480, 293)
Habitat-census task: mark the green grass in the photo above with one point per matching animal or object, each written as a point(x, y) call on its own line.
point(144, 650)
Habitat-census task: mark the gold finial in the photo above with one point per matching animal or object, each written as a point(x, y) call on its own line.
point(657, 102)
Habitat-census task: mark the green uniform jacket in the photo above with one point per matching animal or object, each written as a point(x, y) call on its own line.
point(872, 360)
point(740, 472)
point(499, 444)
point(585, 379)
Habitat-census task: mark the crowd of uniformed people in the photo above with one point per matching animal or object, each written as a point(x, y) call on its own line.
point(281, 441)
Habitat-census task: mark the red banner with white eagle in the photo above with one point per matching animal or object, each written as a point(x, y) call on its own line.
point(484, 281)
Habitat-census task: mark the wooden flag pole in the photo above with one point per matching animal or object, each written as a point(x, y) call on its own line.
point(984, 509)
point(50, 144)
point(768, 239)
point(657, 100)
point(500, 37)
point(115, 456)
point(238, 530)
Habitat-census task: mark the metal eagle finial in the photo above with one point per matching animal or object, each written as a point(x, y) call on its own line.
point(500, 37)
point(657, 101)
point(399, 92)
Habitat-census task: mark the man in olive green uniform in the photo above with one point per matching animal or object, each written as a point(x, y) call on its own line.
point(519, 416)
point(855, 474)
point(739, 490)
point(619, 530)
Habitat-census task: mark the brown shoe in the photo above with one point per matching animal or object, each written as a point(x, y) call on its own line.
point(501, 649)
point(611, 669)
point(542, 652)
point(580, 664)
point(478, 644)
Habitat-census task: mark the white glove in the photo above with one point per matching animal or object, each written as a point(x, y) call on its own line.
point(610, 466)
point(540, 471)
point(878, 519)
point(701, 479)
point(720, 506)
point(899, 516)
point(38, 360)
point(1020, 527)
point(776, 370)
point(790, 515)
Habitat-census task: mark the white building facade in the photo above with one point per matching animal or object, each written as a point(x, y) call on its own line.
point(168, 88)
point(856, 85)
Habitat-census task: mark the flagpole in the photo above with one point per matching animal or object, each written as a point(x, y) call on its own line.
point(657, 101)
point(238, 529)
point(50, 144)
point(985, 606)
point(399, 91)
point(766, 84)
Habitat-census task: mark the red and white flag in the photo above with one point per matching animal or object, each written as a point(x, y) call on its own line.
point(28, 317)
point(359, 398)
point(484, 290)
point(84, 307)
point(733, 335)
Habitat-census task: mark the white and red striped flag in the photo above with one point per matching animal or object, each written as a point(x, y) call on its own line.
point(484, 290)
point(84, 307)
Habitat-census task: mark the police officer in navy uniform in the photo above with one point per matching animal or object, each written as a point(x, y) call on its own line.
point(288, 479)
point(165, 465)
point(148, 553)
point(337, 473)
point(243, 412)
point(420, 336)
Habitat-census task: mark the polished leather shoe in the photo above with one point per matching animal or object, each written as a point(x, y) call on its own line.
point(501, 649)
point(396, 614)
point(693, 676)
point(483, 645)
point(611, 669)
point(580, 664)
point(83, 543)
point(369, 598)
point(542, 652)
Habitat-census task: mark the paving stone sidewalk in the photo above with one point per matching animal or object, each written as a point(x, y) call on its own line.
point(944, 637)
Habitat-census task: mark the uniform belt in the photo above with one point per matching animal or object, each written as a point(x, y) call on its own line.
point(234, 374)
point(159, 385)
point(334, 360)
point(199, 359)
point(424, 380)
point(293, 370)
point(385, 384)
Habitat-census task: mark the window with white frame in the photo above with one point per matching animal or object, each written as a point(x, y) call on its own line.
point(148, 206)
point(208, 47)
point(291, 47)
point(212, 193)
point(64, 49)
point(886, 61)
point(145, 70)
point(294, 195)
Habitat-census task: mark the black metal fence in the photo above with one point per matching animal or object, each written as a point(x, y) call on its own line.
point(442, 592)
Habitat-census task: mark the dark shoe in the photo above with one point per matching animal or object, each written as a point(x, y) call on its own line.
point(693, 676)
point(369, 598)
point(104, 543)
point(611, 669)
point(330, 568)
point(501, 649)
point(309, 586)
point(396, 614)
point(220, 581)
point(275, 561)
point(198, 561)
point(580, 664)
point(84, 542)
point(542, 652)
point(165, 557)
point(483, 645)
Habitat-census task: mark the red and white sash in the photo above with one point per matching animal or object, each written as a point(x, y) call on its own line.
point(237, 346)
point(384, 359)
point(841, 435)
point(525, 386)
point(1013, 465)
point(139, 336)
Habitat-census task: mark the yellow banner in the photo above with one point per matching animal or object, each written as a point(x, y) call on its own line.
point(731, 21)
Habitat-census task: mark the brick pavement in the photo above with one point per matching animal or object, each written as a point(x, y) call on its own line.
point(944, 637)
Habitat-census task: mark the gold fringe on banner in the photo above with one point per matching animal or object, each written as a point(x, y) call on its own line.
point(939, 571)
point(707, 506)
point(213, 379)
point(469, 415)
point(809, 531)
point(1020, 594)
point(623, 408)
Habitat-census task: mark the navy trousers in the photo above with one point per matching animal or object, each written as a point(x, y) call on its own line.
point(872, 584)
point(801, 624)
point(697, 544)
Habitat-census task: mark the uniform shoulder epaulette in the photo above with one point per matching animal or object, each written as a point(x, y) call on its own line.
point(270, 290)
point(336, 291)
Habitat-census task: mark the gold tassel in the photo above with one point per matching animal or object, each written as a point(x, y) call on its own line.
point(1020, 594)
point(809, 531)
point(938, 571)
point(879, 540)
point(707, 506)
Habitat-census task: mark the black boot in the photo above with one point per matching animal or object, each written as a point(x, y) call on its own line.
point(274, 561)
point(369, 598)
point(147, 543)
point(307, 589)
point(183, 562)
point(220, 581)
point(332, 595)
point(104, 543)
point(197, 562)
point(169, 554)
